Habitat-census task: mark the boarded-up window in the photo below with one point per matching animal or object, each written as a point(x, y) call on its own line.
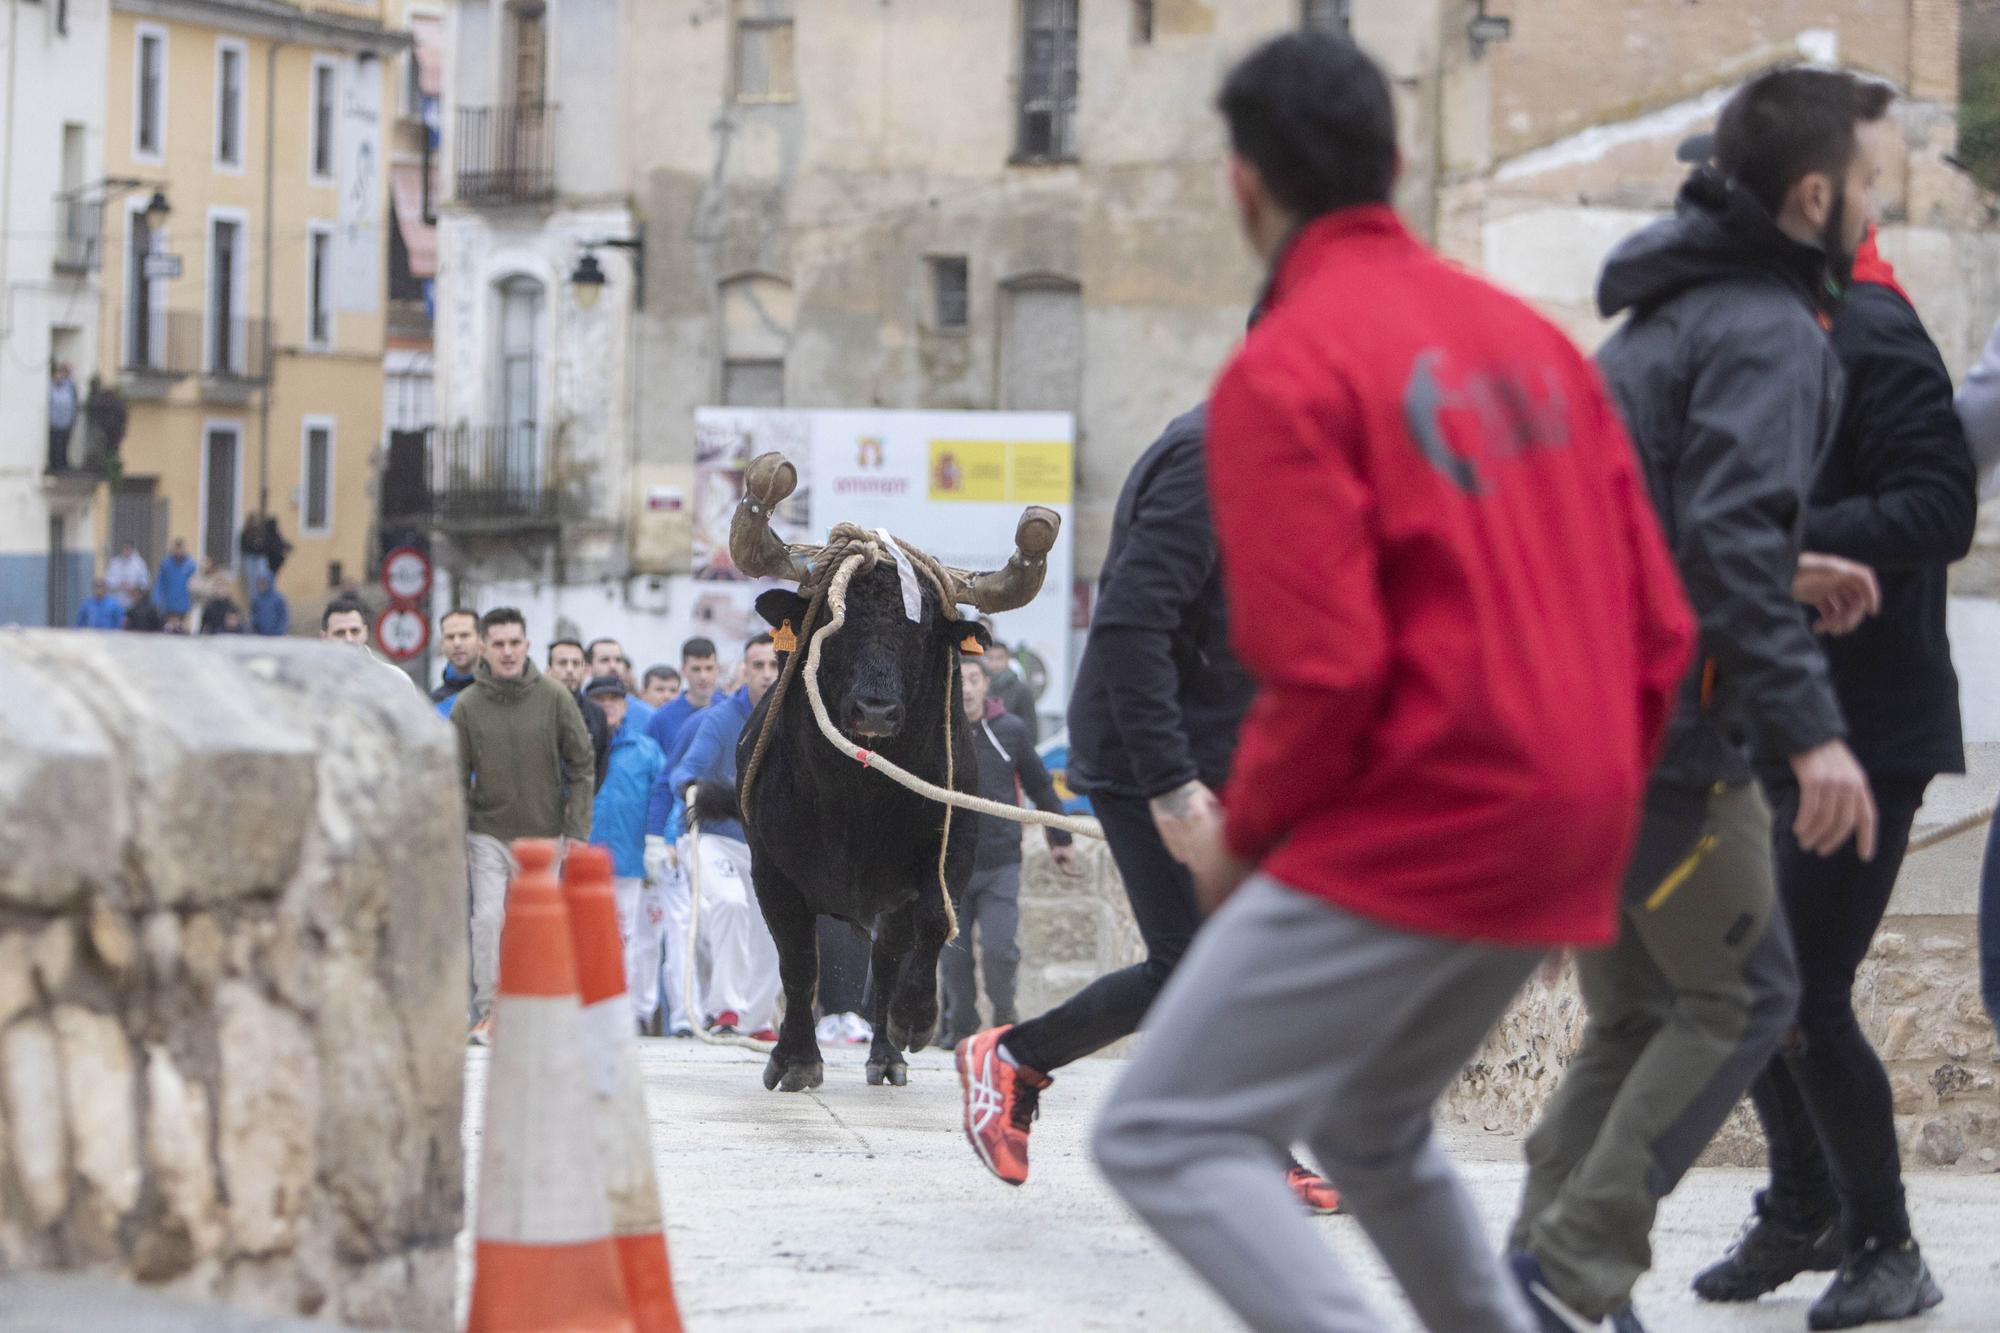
point(1041, 346)
point(951, 299)
point(1325, 15)
point(753, 383)
point(316, 480)
point(764, 56)
point(1048, 81)
point(757, 318)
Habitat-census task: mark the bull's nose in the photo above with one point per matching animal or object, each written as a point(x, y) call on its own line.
point(872, 717)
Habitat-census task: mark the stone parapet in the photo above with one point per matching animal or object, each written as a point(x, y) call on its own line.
point(232, 974)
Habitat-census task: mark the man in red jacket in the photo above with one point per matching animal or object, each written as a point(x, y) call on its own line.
point(1444, 575)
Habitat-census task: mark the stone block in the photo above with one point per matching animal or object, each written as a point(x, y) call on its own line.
point(1058, 931)
point(232, 993)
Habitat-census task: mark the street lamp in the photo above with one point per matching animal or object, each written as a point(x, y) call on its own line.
point(588, 281)
point(157, 210)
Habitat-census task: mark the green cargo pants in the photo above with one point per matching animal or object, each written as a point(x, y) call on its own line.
point(1683, 1011)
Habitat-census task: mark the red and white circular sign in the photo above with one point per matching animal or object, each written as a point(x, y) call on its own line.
point(406, 573)
point(402, 632)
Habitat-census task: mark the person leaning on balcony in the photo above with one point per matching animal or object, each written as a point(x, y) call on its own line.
point(62, 416)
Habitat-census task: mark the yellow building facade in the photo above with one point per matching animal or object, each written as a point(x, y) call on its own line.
point(244, 326)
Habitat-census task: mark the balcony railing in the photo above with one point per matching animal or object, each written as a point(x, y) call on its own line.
point(506, 154)
point(173, 344)
point(474, 476)
point(79, 235)
point(235, 349)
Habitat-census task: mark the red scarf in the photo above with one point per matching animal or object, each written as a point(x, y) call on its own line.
point(1869, 266)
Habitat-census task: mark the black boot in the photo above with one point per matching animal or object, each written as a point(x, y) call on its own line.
point(1881, 1282)
point(1769, 1254)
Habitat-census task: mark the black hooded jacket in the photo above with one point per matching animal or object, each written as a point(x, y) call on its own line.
point(1159, 695)
point(1731, 389)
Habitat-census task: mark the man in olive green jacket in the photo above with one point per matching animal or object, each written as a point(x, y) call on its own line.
point(529, 772)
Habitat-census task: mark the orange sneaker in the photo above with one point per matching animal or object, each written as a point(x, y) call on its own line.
point(481, 1034)
point(1313, 1190)
point(1000, 1104)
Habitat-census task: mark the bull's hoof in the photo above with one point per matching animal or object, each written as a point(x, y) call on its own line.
point(784, 1075)
point(894, 1072)
point(911, 1038)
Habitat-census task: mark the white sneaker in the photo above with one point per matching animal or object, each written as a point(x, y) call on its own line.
point(832, 1028)
point(857, 1029)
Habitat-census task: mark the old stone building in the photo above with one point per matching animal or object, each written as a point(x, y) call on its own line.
point(846, 203)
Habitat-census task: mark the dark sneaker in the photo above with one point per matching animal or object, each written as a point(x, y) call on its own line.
point(1000, 1104)
point(1313, 1190)
point(1767, 1256)
point(1552, 1313)
point(1882, 1282)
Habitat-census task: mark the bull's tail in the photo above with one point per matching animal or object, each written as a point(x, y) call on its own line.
point(715, 803)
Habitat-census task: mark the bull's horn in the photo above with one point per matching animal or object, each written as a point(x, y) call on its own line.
point(756, 549)
point(1016, 585)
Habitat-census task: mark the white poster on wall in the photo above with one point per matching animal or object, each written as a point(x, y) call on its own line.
point(357, 243)
point(951, 483)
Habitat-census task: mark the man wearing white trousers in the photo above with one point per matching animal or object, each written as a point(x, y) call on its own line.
point(618, 824)
point(736, 986)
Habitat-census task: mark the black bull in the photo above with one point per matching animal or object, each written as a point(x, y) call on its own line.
point(831, 838)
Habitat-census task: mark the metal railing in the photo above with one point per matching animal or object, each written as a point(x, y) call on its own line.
point(488, 475)
point(79, 235)
point(178, 343)
point(235, 349)
point(505, 154)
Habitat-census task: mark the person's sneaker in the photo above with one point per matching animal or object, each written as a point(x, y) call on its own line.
point(764, 1034)
point(1552, 1313)
point(1001, 1099)
point(683, 1032)
point(1313, 1190)
point(858, 1031)
point(481, 1034)
point(724, 1023)
point(1765, 1257)
point(1882, 1282)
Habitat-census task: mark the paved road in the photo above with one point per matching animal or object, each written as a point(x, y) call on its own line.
point(858, 1207)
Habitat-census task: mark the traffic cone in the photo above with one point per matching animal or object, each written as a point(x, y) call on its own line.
point(618, 1102)
point(545, 1260)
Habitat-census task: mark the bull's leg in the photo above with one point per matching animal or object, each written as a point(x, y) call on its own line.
point(913, 1002)
point(885, 1062)
point(795, 1063)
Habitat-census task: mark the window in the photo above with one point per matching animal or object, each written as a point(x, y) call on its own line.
point(229, 58)
point(221, 490)
point(145, 297)
point(226, 327)
point(1142, 22)
point(149, 95)
point(1325, 15)
point(758, 314)
point(1048, 81)
point(747, 383)
point(520, 351)
point(764, 49)
point(319, 280)
point(950, 300)
point(1041, 345)
point(320, 127)
point(316, 477)
point(530, 54)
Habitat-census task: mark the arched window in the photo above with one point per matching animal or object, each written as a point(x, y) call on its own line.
point(520, 350)
point(758, 313)
point(1041, 344)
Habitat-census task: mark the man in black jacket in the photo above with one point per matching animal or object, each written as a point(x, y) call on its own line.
point(1731, 391)
point(1897, 493)
point(571, 669)
point(1152, 720)
point(1009, 768)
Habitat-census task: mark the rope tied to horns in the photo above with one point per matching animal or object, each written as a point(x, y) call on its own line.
point(851, 550)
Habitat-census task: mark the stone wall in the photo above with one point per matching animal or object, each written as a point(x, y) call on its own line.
point(1073, 929)
point(232, 974)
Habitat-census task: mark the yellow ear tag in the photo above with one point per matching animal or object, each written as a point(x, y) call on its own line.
point(971, 644)
point(784, 640)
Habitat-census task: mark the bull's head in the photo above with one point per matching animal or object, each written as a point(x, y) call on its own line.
point(881, 667)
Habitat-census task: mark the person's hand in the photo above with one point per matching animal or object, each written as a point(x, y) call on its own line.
point(1834, 802)
point(660, 857)
point(1064, 855)
point(1189, 819)
point(1843, 592)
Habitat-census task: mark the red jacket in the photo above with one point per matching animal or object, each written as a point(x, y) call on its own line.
point(1445, 574)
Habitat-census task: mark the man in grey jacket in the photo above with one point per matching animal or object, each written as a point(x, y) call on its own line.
point(1731, 391)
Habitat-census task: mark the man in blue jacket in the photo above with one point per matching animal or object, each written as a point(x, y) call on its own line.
point(170, 590)
point(741, 992)
point(618, 824)
point(102, 610)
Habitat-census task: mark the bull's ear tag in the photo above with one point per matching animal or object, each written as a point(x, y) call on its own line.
point(971, 644)
point(784, 640)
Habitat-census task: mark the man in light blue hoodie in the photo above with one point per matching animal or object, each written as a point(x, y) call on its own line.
point(618, 824)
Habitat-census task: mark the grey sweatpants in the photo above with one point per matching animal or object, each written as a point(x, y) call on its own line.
point(1293, 1021)
point(489, 867)
point(992, 910)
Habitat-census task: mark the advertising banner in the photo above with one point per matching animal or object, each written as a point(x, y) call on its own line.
point(951, 483)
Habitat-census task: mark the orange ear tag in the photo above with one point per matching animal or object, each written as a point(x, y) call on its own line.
point(971, 644)
point(784, 640)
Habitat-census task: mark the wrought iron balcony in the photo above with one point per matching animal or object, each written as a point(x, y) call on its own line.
point(505, 154)
point(79, 235)
point(473, 477)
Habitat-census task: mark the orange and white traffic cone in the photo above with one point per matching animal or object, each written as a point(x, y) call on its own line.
point(618, 1102)
point(545, 1260)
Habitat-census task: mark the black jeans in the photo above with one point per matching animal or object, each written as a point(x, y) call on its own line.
point(1163, 903)
point(1827, 1111)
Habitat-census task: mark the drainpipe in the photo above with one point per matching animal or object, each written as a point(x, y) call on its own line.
point(7, 171)
point(270, 224)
